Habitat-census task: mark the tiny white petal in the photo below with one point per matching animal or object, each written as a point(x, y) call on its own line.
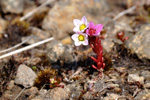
point(85, 42)
point(76, 29)
point(84, 20)
point(87, 25)
point(86, 36)
point(75, 37)
point(77, 43)
point(77, 22)
point(82, 30)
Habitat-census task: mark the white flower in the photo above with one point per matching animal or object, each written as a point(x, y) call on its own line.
point(80, 38)
point(80, 25)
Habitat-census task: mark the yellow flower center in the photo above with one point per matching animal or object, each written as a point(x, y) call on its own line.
point(82, 27)
point(81, 37)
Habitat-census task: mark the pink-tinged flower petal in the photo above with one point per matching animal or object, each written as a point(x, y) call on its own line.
point(77, 43)
point(87, 24)
point(96, 34)
point(84, 20)
point(77, 22)
point(87, 31)
point(94, 30)
point(79, 32)
point(91, 25)
point(85, 42)
point(86, 36)
point(82, 30)
point(75, 37)
point(76, 29)
point(98, 27)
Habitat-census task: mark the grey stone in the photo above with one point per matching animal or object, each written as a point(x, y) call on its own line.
point(87, 96)
point(29, 3)
point(122, 25)
point(107, 44)
point(143, 95)
point(56, 94)
point(55, 52)
point(41, 95)
point(13, 6)
point(135, 78)
point(111, 96)
point(99, 85)
point(33, 61)
point(60, 52)
point(10, 85)
point(2, 25)
point(121, 69)
point(25, 76)
point(74, 91)
point(139, 43)
point(146, 74)
point(29, 93)
point(147, 85)
point(11, 93)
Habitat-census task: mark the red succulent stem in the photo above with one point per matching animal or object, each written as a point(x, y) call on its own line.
point(120, 35)
point(95, 43)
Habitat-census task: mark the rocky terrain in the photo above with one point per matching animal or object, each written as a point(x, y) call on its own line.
point(57, 70)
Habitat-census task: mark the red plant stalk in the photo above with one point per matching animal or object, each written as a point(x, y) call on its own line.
point(95, 43)
point(120, 35)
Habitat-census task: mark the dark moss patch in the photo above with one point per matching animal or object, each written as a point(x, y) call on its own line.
point(44, 77)
point(7, 73)
point(13, 33)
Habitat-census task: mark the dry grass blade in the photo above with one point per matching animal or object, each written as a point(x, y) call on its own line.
point(36, 10)
point(44, 86)
point(26, 48)
point(76, 73)
point(19, 93)
point(11, 48)
point(124, 12)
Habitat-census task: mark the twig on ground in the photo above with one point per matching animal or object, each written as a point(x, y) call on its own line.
point(35, 10)
point(123, 97)
point(20, 93)
point(124, 12)
point(76, 73)
point(147, 91)
point(44, 86)
point(67, 80)
point(136, 91)
point(11, 48)
point(105, 87)
point(26, 48)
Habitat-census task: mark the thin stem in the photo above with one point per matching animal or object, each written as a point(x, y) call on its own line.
point(26, 48)
point(36, 10)
point(124, 12)
point(11, 48)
